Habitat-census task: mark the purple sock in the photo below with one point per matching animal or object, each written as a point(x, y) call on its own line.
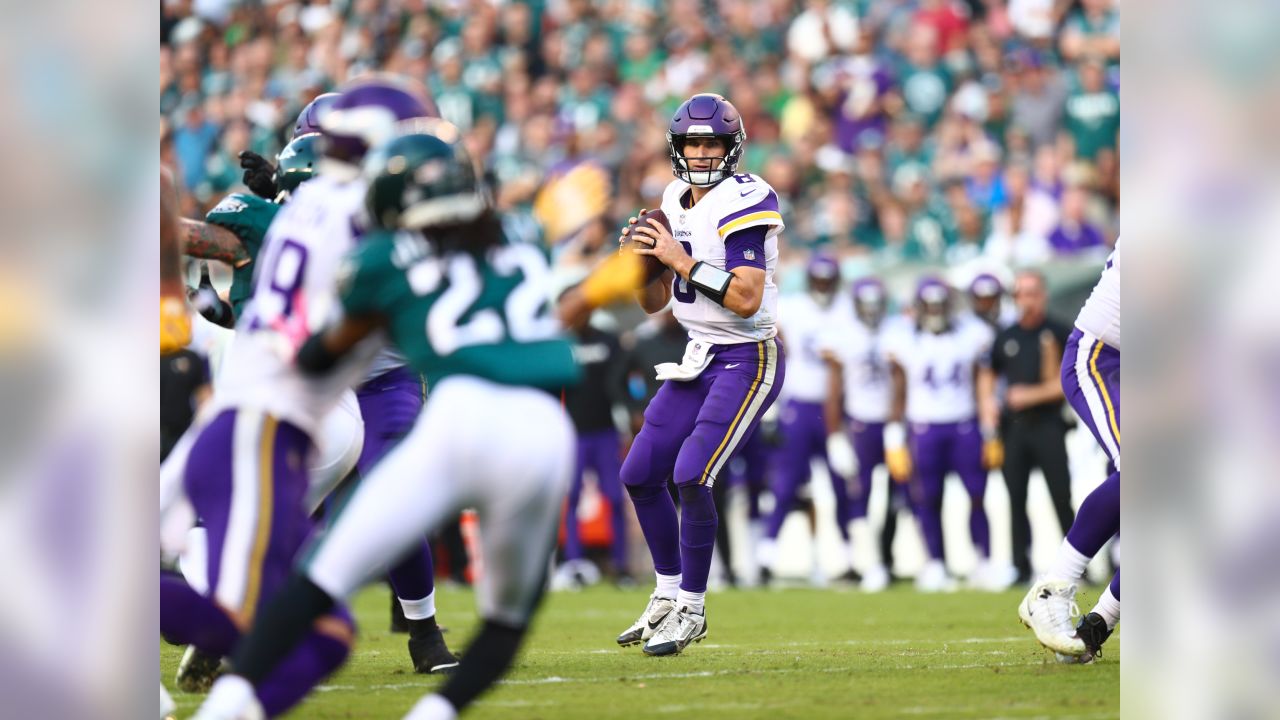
point(309, 663)
point(1098, 518)
point(572, 530)
point(926, 493)
point(1115, 585)
point(975, 484)
point(189, 618)
point(656, 513)
point(697, 536)
point(413, 578)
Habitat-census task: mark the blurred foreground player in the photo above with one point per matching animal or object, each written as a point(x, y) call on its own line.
point(720, 253)
point(175, 323)
point(1091, 382)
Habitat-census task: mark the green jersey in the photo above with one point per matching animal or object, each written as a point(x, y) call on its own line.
point(248, 217)
point(488, 317)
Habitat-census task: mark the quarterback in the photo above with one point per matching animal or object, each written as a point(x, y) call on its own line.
point(720, 253)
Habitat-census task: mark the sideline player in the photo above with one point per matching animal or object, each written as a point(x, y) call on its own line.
point(805, 318)
point(858, 401)
point(471, 311)
point(934, 365)
point(1091, 382)
point(720, 259)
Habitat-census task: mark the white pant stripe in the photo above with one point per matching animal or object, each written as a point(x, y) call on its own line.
point(242, 519)
point(1097, 408)
point(754, 409)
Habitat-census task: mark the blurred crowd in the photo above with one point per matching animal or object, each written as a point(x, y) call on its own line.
point(931, 131)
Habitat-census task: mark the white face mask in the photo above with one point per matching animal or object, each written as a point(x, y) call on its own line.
point(702, 178)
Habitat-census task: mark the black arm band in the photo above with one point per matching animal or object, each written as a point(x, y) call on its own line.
point(711, 280)
point(220, 314)
point(314, 358)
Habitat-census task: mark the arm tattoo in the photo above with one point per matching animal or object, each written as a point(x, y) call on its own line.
point(211, 242)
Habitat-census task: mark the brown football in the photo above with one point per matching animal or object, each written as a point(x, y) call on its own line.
point(652, 266)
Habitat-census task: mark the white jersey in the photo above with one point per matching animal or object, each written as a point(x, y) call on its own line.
point(294, 295)
point(805, 325)
point(940, 368)
point(1100, 316)
point(736, 203)
point(868, 391)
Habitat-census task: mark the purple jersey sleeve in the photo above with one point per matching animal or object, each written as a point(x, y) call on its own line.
point(745, 247)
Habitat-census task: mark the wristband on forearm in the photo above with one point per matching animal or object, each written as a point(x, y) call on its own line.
point(895, 435)
point(711, 280)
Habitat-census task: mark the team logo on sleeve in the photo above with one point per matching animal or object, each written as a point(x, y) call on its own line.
point(230, 204)
point(749, 254)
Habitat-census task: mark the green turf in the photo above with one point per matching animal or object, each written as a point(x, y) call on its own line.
point(770, 654)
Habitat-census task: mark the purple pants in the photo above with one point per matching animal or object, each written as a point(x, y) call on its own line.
point(868, 448)
point(750, 468)
point(691, 430)
point(804, 437)
point(1091, 382)
point(937, 449)
point(598, 451)
point(389, 404)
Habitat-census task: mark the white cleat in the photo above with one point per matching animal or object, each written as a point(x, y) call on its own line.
point(167, 706)
point(1049, 609)
point(933, 578)
point(654, 613)
point(231, 698)
point(875, 579)
point(676, 633)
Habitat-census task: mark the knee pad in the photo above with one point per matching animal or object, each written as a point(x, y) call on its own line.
point(696, 502)
point(644, 493)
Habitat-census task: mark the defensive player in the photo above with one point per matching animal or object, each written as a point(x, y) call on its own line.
point(246, 474)
point(720, 255)
point(858, 400)
point(934, 364)
point(805, 319)
point(1091, 382)
point(471, 311)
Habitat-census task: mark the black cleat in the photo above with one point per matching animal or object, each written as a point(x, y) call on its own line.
point(1093, 631)
point(851, 576)
point(766, 577)
point(399, 625)
point(197, 670)
point(427, 649)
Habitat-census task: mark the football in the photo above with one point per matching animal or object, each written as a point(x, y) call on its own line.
point(653, 267)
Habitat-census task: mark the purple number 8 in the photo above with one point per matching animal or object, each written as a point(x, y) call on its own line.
point(680, 288)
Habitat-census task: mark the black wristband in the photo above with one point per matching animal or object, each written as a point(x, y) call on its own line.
point(219, 313)
point(711, 281)
point(314, 358)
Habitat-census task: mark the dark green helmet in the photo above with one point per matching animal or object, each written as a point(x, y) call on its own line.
point(423, 178)
point(296, 164)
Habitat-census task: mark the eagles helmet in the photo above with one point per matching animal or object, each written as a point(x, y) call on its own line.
point(419, 181)
point(823, 277)
point(308, 121)
point(295, 164)
point(366, 113)
point(933, 304)
point(869, 300)
point(706, 115)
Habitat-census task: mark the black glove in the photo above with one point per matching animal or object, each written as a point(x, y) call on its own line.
point(259, 175)
point(206, 301)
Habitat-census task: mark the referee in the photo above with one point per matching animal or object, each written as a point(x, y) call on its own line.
point(1026, 357)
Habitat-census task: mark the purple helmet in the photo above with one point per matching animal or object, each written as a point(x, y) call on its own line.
point(366, 114)
point(869, 300)
point(933, 304)
point(706, 115)
point(823, 274)
point(309, 119)
point(986, 285)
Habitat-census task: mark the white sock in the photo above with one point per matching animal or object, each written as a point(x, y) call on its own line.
point(691, 600)
point(668, 585)
point(1109, 608)
point(1069, 565)
point(432, 707)
point(419, 609)
point(853, 565)
point(230, 696)
point(765, 551)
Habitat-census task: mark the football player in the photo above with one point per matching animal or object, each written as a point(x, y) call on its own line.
point(470, 310)
point(934, 365)
point(858, 401)
point(986, 300)
point(1091, 382)
point(804, 319)
point(246, 473)
point(720, 252)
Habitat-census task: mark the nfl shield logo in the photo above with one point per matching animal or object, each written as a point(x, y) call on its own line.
point(749, 254)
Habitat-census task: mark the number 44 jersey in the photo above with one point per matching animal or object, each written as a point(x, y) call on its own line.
point(940, 368)
point(488, 316)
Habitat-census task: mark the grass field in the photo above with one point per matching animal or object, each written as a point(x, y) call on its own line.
point(794, 653)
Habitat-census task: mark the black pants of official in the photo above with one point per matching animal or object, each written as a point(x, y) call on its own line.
point(1027, 445)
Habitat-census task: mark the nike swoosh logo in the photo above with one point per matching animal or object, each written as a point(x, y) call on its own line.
point(745, 193)
point(731, 366)
point(654, 625)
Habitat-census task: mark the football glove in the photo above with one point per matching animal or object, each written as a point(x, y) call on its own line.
point(896, 456)
point(841, 455)
point(175, 325)
point(259, 175)
point(992, 450)
point(615, 279)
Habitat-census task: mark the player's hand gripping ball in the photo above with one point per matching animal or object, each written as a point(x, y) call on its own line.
point(653, 267)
